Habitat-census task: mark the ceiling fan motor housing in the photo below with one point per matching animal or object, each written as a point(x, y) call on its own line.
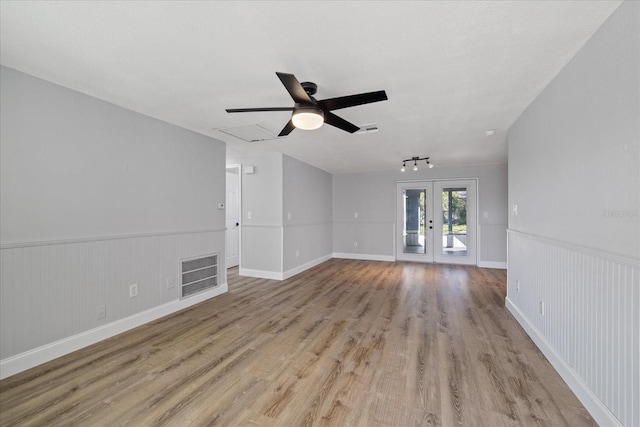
point(309, 87)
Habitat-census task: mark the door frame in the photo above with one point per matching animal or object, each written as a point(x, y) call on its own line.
point(237, 166)
point(430, 214)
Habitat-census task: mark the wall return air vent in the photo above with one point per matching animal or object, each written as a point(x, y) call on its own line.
point(199, 274)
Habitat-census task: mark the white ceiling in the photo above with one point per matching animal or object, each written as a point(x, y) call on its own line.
point(452, 70)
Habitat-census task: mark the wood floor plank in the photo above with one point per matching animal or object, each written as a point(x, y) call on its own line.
point(346, 343)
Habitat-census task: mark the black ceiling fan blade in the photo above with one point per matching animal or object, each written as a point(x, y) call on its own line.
point(287, 129)
point(249, 110)
point(339, 122)
point(352, 100)
point(294, 88)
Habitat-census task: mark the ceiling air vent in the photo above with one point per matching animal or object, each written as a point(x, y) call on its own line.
point(370, 128)
point(250, 133)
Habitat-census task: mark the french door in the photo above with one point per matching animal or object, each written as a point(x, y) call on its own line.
point(436, 221)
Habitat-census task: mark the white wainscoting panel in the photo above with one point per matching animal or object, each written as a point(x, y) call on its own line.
point(492, 245)
point(371, 237)
point(304, 245)
point(50, 292)
point(261, 250)
point(582, 308)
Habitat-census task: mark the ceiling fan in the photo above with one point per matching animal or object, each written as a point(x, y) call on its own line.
point(309, 113)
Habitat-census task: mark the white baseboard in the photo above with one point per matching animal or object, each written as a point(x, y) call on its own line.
point(276, 275)
point(261, 274)
point(596, 408)
point(492, 264)
point(29, 359)
point(364, 257)
point(306, 266)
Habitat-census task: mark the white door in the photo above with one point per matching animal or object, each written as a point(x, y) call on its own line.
point(414, 221)
point(455, 221)
point(232, 216)
point(436, 221)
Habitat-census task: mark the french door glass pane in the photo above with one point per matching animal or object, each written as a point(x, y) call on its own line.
point(414, 221)
point(454, 221)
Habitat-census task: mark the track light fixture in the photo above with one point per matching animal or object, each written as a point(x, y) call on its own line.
point(415, 161)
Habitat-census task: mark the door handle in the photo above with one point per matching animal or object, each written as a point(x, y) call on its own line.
point(431, 227)
point(237, 224)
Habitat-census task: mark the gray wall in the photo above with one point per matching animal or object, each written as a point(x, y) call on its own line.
point(77, 167)
point(261, 246)
point(573, 154)
point(373, 197)
point(95, 198)
point(574, 246)
point(307, 215)
point(274, 245)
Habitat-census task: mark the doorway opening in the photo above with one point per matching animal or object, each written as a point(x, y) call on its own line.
point(233, 215)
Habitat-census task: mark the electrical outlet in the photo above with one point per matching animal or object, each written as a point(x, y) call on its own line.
point(542, 308)
point(101, 312)
point(518, 285)
point(355, 244)
point(170, 282)
point(355, 214)
point(288, 215)
point(297, 253)
point(249, 215)
point(133, 290)
point(515, 209)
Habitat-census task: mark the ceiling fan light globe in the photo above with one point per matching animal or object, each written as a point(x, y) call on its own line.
point(307, 119)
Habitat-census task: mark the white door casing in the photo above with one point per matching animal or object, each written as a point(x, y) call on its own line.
point(432, 241)
point(232, 216)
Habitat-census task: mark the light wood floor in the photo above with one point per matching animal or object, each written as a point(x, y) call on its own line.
point(347, 343)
